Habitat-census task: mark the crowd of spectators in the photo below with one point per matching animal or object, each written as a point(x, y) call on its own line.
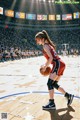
point(18, 43)
point(17, 36)
point(16, 53)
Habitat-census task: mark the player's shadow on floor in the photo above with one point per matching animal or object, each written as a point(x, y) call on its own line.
point(61, 114)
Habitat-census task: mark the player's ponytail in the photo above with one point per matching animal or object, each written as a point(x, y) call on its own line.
point(48, 39)
point(45, 35)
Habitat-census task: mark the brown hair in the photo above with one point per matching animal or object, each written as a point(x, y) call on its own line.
point(45, 35)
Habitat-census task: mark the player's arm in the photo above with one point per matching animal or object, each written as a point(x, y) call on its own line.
point(47, 50)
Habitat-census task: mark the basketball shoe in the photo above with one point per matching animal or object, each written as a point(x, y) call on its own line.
point(49, 106)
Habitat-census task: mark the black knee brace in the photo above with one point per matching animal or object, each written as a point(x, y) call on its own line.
point(50, 84)
point(55, 85)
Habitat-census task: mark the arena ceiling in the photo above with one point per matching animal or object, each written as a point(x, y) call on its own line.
point(39, 6)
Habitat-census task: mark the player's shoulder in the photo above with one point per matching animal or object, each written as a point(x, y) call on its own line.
point(46, 46)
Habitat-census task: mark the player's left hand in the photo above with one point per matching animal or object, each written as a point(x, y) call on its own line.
point(43, 68)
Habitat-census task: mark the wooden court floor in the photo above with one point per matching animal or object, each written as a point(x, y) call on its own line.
point(15, 78)
point(29, 107)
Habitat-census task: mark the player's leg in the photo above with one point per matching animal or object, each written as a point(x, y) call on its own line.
point(57, 72)
point(51, 103)
point(67, 95)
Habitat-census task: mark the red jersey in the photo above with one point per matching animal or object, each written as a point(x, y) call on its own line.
point(53, 52)
point(58, 64)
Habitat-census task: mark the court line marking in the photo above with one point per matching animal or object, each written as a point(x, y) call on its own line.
point(22, 93)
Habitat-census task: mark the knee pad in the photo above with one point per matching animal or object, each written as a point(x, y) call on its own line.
point(55, 85)
point(50, 84)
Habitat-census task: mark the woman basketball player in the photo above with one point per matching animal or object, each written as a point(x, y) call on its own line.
point(42, 38)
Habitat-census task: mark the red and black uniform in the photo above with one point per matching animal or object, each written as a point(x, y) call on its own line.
point(58, 64)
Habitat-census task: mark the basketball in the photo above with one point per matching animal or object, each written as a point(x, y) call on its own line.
point(46, 72)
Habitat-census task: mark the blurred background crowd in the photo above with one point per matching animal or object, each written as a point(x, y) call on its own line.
point(17, 36)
